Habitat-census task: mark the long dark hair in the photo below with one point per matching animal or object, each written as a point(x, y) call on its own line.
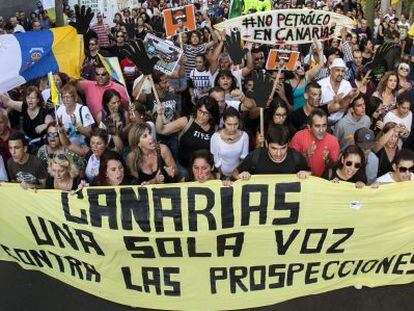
point(200, 154)
point(212, 106)
point(107, 156)
point(353, 149)
point(106, 98)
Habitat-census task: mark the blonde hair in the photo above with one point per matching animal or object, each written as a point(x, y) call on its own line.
point(65, 161)
point(134, 136)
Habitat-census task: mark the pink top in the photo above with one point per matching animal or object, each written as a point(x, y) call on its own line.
point(303, 139)
point(94, 93)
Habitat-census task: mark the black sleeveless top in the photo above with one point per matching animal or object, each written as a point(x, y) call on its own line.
point(142, 176)
point(29, 125)
point(195, 138)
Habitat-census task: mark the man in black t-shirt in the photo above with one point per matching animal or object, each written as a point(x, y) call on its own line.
point(23, 167)
point(276, 158)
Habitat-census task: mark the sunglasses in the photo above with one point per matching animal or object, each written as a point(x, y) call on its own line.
point(405, 69)
point(350, 163)
point(101, 74)
point(52, 134)
point(404, 169)
point(280, 115)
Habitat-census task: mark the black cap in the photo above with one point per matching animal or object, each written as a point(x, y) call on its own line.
point(364, 138)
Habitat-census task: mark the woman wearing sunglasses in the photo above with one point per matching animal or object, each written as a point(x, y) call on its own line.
point(402, 168)
point(53, 145)
point(350, 167)
point(404, 83)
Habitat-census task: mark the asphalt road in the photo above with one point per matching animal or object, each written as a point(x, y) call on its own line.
point(23, 290)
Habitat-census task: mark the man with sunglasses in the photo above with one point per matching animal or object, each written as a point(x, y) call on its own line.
point(403, 168)
point(94, 90)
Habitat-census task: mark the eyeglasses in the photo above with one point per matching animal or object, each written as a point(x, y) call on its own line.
point(120, 36)
point(405, 69)
point(203, 112)
point(350, 163)
point(101, 74)
point(281, 115)
point(52, 134)
point(403, 169)
point(67, 97)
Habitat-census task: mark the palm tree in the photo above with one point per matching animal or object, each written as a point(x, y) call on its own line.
point(59, 13)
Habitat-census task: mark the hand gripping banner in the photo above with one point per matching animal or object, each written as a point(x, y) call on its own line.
point(206, 247)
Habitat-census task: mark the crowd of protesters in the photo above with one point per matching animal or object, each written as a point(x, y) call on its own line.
point(331, 117)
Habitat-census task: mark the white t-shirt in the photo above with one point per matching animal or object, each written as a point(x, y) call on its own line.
point(327, 95)
point(386, 178)
point(228, 156)
point(146, 88)
point(92, 168)
point(70, 128)
point(407, 121)
point(202, 82)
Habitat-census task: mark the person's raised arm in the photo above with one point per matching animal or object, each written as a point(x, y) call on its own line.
point(169, 128)
point(11, 104)
point(310, 74)
point(213, 34)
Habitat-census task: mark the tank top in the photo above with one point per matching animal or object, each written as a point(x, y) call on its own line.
point(142, 176)
point(298, 97)
point(195, 138)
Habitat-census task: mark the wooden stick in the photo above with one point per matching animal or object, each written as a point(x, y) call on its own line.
point(154, 89)
point(239, 79)
point(180, 39)
point(261, 125)
point(281, 64)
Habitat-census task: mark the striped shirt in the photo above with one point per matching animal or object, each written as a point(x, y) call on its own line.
point(102, 32)
point(191, 52)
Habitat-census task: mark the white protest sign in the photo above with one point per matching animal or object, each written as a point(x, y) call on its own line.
point(168, 53)
point(291, 26)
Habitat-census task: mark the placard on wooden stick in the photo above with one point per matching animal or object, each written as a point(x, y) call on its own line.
point(289, 59)
point(179, 20)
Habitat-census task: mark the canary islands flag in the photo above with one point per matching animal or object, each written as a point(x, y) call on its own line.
point(33, 54)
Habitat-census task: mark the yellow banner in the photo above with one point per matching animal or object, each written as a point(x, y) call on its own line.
point(207, 247)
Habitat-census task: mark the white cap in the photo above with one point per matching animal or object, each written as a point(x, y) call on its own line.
point(338, 63)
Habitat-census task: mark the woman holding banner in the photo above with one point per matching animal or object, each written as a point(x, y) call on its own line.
point(111, 171)
point(350, 167)
point(148, 161)
point(63, 173)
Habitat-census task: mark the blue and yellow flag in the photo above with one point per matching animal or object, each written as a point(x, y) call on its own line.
point(112, 66)
point(33, 54)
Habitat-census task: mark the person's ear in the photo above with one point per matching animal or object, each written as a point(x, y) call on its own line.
point(25, 149)
point(394, 167)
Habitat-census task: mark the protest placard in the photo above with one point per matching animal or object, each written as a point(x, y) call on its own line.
point(195, 246)
point(167, 52)
point(289, 59)
point(179, 20)
point(290, 26)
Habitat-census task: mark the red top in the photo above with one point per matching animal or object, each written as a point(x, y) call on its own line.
point(303, 139)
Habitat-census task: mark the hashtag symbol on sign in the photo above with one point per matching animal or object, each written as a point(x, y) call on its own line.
point(249, 21)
